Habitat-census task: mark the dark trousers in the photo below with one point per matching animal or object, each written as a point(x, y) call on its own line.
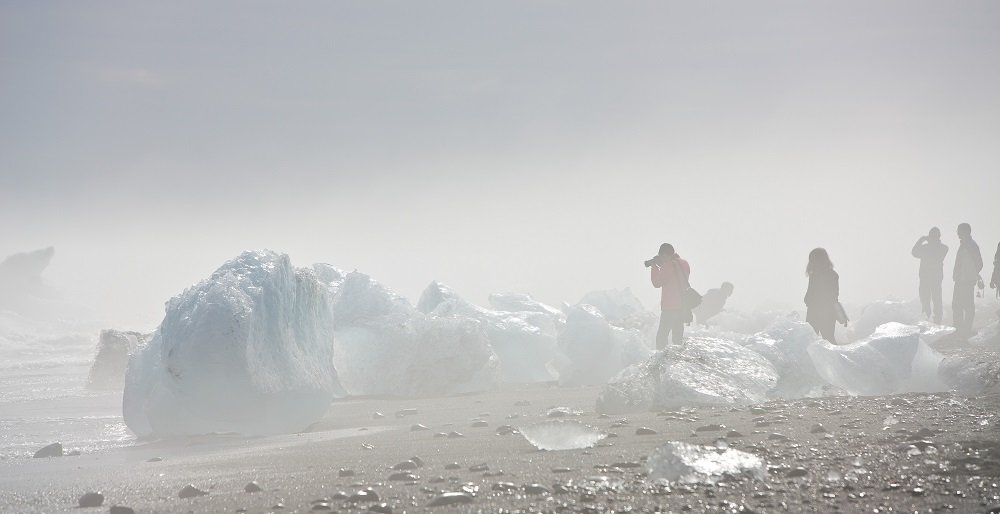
point(930, 294)
point(671, 321)
point(963, 306)
point(824, 324)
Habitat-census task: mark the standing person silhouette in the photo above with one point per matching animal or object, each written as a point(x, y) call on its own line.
point(823, 294)
point(968, 264)
point(670, 274)
point(995, 278)
point(931, 252)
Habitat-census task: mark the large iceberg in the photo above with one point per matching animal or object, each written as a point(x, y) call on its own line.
point(384, 346)
point(592, 350)
point(249, 350)
point(702, 371)
point(892, 360)
point(525, 342)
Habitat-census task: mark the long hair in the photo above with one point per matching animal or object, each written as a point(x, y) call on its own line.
point(818, 260)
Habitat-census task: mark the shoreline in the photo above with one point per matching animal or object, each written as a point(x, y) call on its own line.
point(863, 462)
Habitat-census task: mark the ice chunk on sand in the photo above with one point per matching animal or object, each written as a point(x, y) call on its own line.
point(614, 304)
point(784, 345)
point(561, 435)
point(988, 335)
point(113, 350)
point(689, 463)
point(525, 349)
point(384, 346)
point(592, 350)
point(249, 350)
point(517, 302)
point(877, 314)
point(972, 371)
point(703, 371)
point(893, 360)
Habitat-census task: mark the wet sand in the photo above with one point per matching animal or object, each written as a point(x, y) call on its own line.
point(906, 453)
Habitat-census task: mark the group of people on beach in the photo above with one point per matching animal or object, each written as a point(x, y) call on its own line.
point(670, 273)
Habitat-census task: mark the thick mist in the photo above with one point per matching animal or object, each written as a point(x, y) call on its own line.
point(539, 148)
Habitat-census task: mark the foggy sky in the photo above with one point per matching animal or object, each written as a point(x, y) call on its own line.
point(539, 147)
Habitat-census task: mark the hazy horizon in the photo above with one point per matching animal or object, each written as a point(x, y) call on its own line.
point(544, 148)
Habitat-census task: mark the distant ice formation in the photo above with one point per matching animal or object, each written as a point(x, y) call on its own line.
point(614, 304)
point(688, 463)
point(877, 314)
point(893, 359)
point(561, 435)
point(592, 350)
point(384, 346)
point(113, 350)
point(703, 371)
point(525, 342)
point(248, 350)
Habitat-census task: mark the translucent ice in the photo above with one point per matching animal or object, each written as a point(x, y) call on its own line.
point(784, 345)
point(525, 342)
point(592, 350)
point(561, 435)
point(892, 360)
point(384, 346)
point(614, 304)
point(877, 314)
point(249, 350)
point(113, 350)
point(972, 371)
point(688, 463)
point(704, 371)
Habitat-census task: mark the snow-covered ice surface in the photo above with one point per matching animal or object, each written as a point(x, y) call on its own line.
point(592, 350)
point(891, 360)
point(248, 350)
point(689, 463)
point(704, 371)
point(524, 341)
point(385, 346)
point(561, 435)
point(877, 314)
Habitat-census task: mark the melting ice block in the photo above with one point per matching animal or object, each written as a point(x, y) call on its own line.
point(249, 350)
point(877, 314)
point(384, 346)
point(689, 463)
point(113, 350)
point(525, 341)
point(703, 371)
point(592, 350)
point(614, 304)
point(561, 435)
point(892, 360)
point(784, 345)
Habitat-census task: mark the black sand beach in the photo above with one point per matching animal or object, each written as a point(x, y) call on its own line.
point(905, 453)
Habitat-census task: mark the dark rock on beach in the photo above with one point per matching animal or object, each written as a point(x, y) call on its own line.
point(190, 491)
point(92, 499)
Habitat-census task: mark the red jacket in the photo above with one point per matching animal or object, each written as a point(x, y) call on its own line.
point(671, 283)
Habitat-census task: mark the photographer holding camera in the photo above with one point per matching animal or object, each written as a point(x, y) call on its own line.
point(670, 274)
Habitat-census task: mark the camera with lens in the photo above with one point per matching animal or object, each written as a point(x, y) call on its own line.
point(651, 262)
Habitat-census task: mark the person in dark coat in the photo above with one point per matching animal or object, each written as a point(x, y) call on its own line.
point(968, 264)
point(931, 252)
point(823, 294)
